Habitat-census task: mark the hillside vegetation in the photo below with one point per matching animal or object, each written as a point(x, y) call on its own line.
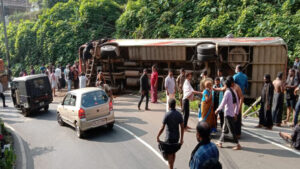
point(59, 31)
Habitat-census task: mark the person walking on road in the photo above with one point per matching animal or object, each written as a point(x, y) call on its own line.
point(154, 84)
point(290, 85)
point(188, 94)
point(278, 100)
point(205, 149)
point(265, 114)
point(179, 82)
point(240, 78)
point(170, 88)
point(173, 120)
point(239, 92)
point(144, 89)
point(2, 95)
point(230, 105)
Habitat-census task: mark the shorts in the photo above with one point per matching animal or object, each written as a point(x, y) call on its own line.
point(291, 103)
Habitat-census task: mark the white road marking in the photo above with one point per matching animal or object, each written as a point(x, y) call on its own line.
point(256, 136)
point(272, 142)
point(144, 143)
point(24, 160)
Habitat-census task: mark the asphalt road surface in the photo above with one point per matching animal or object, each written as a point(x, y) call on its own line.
point(132, 143)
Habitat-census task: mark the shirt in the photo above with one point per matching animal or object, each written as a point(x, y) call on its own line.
point(242, 80)
point(43, 69)
point(180, 81)
point(154, 78)
point(297, 64)
point(66, 72)
point(172, 120)
point(170, 84)
point(187, 90)
point(204, 153)
point(227, 103)
point(144, 83)
point(82, 81)
point(58, 72)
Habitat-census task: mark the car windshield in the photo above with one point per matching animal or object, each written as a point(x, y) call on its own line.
point(94, 98)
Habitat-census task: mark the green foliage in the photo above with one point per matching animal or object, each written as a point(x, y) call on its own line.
point(62, 26)
point(58, 32)
point(9, 158)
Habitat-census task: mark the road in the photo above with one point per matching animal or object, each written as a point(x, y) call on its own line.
point(132, 142)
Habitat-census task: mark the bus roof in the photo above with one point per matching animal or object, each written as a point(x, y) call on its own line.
point(247, 41)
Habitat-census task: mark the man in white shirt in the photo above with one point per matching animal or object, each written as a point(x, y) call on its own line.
point(188, 94)
point(170, 88)
point(82, 80)
point(2, 95)
point(58, 76)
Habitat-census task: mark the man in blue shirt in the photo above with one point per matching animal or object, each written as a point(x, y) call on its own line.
point(205, 150)
point(240, 78)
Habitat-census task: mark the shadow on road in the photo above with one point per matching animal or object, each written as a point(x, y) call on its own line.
point(274, 152)
point(132, 120)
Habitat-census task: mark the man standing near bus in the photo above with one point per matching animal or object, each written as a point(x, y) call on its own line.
point(154, 83)
point(240, 78)
point(180, 81)
point(144, 89)
point(170, 88)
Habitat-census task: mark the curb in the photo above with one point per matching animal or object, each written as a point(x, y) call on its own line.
point(23, 165)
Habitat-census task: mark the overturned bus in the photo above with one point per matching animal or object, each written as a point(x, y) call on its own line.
point(122, 60)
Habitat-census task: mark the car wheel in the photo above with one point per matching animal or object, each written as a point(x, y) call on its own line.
point(110, 126)
point(79, 133)
point(25, 112)
point(60, 120)
point(46, 108)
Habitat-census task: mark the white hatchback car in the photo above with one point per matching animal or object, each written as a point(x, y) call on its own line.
point(85, 109)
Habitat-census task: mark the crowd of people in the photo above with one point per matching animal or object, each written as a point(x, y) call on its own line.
point(221, 98)
point(68, 77)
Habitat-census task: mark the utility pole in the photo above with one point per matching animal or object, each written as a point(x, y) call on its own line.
point(6, 41)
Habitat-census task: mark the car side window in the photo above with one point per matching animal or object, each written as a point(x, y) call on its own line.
point(67, 100)
point(73, 100)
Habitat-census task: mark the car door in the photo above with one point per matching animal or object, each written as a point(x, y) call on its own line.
point(66, 107)
point(73, 109)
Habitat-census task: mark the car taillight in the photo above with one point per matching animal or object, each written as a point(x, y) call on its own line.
point(81, 113)
point(111, 106)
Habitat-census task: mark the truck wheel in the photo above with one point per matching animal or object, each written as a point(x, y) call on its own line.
point(60, 120)
point(206, 49)
point(205, 58)
point(79, 133)
point(25, 112)
point(46, 108)
point(108, 50)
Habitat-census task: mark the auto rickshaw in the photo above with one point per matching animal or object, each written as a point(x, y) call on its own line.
point(31, 93)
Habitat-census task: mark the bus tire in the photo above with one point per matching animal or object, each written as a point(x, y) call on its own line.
point(205, 58)
point(206, 49)
point(108, 51)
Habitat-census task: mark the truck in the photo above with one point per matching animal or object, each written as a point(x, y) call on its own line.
point(122, 60)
